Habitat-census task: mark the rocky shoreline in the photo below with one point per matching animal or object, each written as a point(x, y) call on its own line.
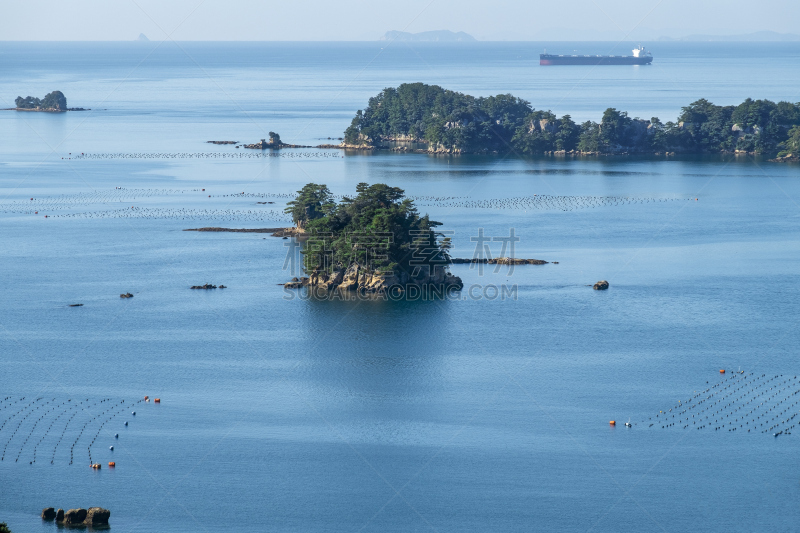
point(789, 158)
point(275, 143)
point(357, 278)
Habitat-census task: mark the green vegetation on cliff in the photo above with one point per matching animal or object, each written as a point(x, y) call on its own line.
point(379, 229)
point(449, 121)
point(55, 101)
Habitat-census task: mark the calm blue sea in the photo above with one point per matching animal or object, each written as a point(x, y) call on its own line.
point(479, 414)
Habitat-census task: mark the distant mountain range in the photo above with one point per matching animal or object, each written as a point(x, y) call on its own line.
point(752, 37)
point(437, 35)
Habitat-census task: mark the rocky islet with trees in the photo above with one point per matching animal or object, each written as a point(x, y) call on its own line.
point(53, 101)
point(375, 242)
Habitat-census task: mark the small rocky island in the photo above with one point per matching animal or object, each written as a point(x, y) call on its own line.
point(54, 102)
point(93, 517)
point(274, 142)
point(373, 243)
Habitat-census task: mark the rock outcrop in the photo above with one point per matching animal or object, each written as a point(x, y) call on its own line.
point(205, 287)
point(97, 516)
point(499, 261)
point(274, 142)
point(789, 158)
point(600, 285)
point(74, 517)
point(93, 517)
point(359, 278)
point(126, 295)
point(275, 232)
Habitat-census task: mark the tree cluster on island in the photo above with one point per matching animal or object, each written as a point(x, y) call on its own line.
point(453, 122)
point(54, 101)
point(373, 241)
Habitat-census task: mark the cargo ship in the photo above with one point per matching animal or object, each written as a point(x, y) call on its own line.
point(640, 57)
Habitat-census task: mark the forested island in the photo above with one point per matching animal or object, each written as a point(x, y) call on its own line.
point(375, 242)
point(54, 102)
point(452, 122)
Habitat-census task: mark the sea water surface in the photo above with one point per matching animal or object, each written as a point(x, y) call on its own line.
point(482, 413)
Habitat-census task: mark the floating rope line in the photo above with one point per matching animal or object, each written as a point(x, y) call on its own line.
point(740, 402)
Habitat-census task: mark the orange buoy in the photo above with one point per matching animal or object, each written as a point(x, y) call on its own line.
point(157, 400)
point(96, 466)
point(146, 398)
point(612, 422)
point(112, 464)
point(722, 371)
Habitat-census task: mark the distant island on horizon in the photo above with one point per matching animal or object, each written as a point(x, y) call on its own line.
point(428, 36)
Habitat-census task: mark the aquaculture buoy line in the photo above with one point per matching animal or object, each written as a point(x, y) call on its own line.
point(13, 432)
point(104, 196)
point(225, 215)
point(116, 407)
point(739, 401)
point(213, 155)
point(548, 202)
point(26, 423)
point(137, 204)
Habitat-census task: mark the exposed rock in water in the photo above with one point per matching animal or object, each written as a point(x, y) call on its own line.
point(97, 516)
point(296, 283)
point(223, 142)
point(76, 305)
point(60, 515)
point(74, 517)
point(358, 278)
point(49, 513)
point(788, 158)
point(126, 295)
point(275, 232)
point(600, 285)
point(499, 261)
point(206, 286)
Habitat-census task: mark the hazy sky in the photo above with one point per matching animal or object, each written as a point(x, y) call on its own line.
point(255, 20)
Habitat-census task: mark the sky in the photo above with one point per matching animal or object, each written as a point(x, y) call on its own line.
point(351, 20)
